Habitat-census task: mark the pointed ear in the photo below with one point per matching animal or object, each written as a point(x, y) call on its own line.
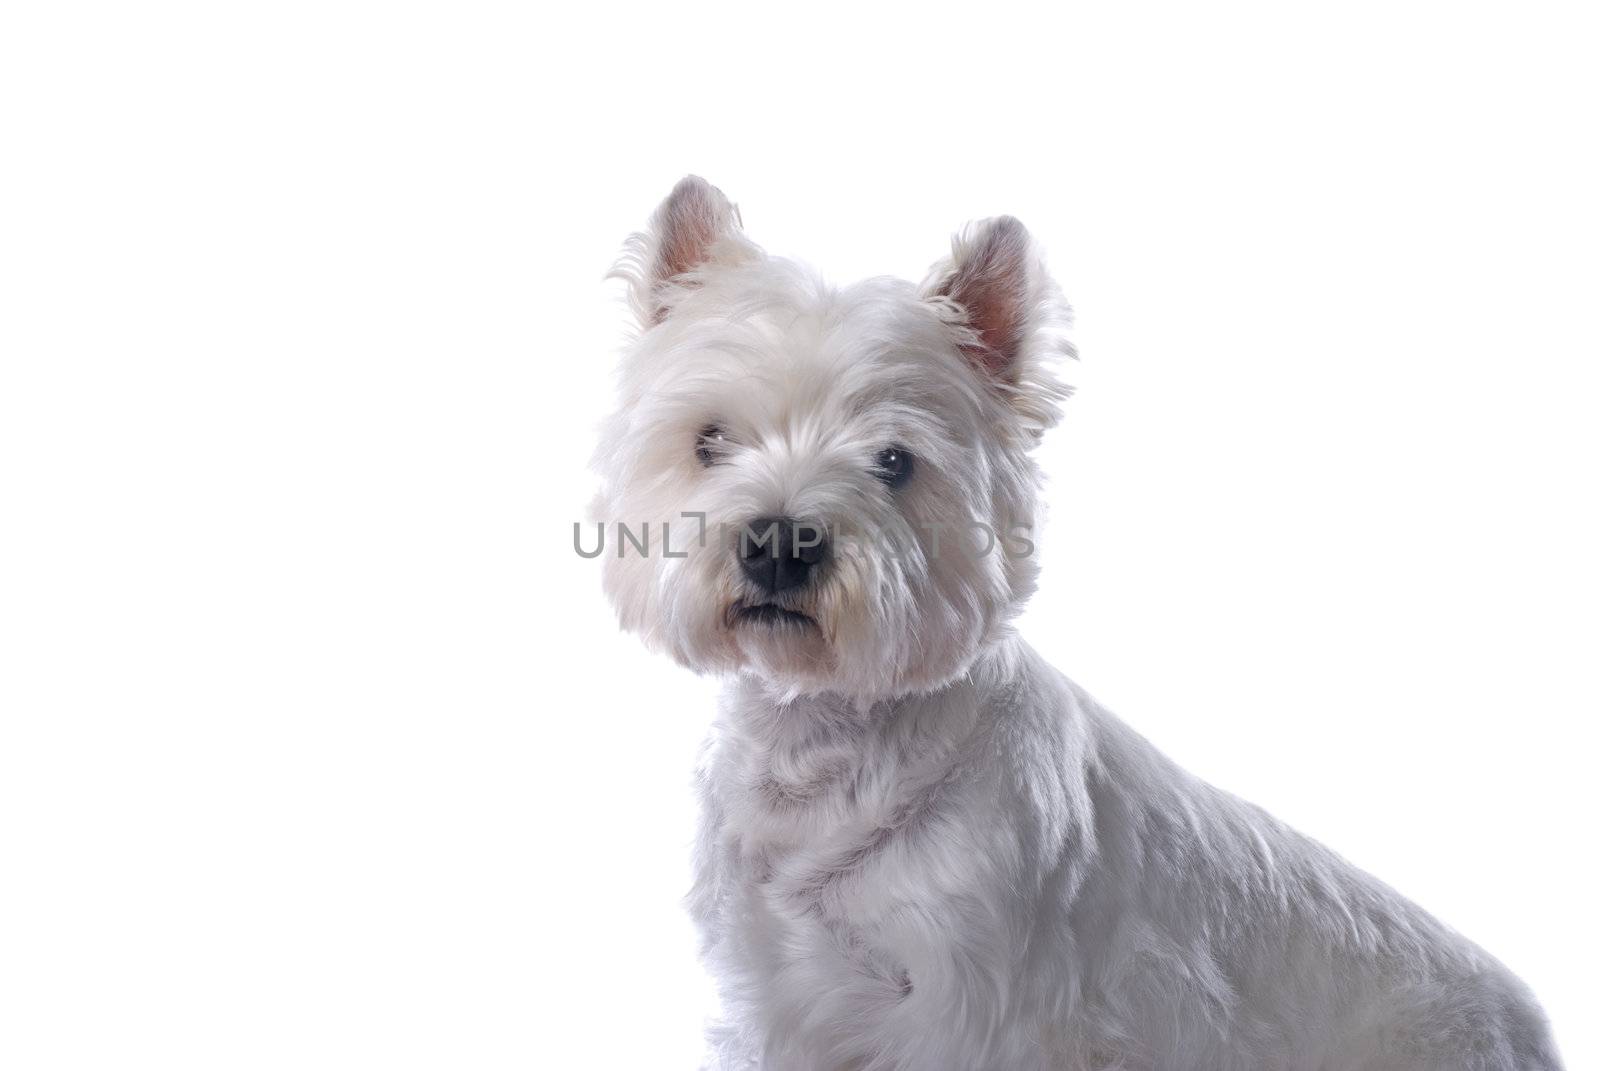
point(1009, 316)
point(998, 290)
point(694, 228)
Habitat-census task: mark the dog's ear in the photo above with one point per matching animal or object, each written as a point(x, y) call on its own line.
point(991, 279)
point(696, 227)
point(1008, 314)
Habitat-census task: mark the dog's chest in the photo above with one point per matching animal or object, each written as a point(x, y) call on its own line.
point(808, 868)
point(804, 831)
point(820, 842)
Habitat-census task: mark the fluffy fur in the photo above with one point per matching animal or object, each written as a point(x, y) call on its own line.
point(923, 848)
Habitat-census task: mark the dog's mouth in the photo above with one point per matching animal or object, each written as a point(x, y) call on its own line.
point(769, 614)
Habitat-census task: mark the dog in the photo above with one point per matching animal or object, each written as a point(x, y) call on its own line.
point(922, 847)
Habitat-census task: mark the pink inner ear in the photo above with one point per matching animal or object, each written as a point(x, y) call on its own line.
point(991, 284)
point(688, 227)
point(693, 218)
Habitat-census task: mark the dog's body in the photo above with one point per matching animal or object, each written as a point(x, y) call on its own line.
point(1003, 876)
point(923, 848)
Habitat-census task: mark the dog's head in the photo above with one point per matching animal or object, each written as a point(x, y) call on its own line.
point(829, 487)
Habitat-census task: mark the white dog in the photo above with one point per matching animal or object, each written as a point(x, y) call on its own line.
point(924, 848)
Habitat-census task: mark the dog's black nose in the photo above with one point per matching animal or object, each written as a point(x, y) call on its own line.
point(778, 553)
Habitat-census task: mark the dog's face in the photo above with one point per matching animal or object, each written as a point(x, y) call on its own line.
point(836, 482)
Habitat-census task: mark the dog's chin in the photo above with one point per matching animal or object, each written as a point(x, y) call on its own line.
point(779, 640)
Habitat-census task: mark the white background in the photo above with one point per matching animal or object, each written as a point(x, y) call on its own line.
point(319, 746)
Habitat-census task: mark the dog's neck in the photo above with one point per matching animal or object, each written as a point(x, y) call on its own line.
point(765, 711)
point(792, 769)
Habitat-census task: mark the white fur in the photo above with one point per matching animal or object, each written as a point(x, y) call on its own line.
point(923, 848)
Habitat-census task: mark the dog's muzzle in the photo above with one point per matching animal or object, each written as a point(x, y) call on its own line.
point(778, 554)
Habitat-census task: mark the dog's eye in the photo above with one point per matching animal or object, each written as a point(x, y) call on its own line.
point(711, 445)
point(893, 466)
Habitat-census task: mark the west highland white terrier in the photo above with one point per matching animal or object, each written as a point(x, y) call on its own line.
point(923, 848)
